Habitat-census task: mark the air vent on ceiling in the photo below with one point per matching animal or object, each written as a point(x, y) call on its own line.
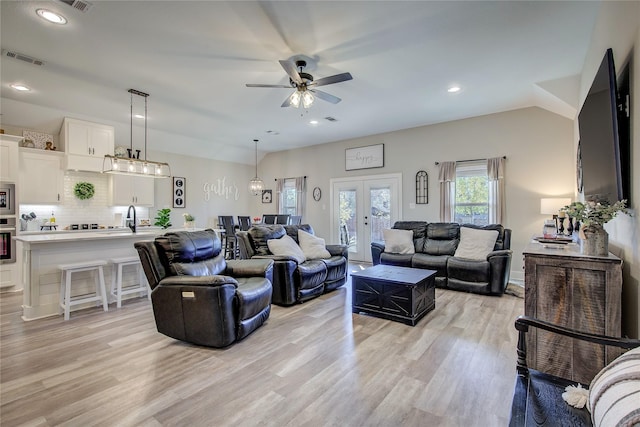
point(331, 119)
point(81, 5)
point(16, 55)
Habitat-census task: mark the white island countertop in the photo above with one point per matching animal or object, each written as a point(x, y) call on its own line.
point(89, 235)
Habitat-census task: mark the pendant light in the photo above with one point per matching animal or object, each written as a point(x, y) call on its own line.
point(256, 185)
point(133, 164)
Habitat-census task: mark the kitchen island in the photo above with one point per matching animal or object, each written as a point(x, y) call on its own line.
point(42, 253)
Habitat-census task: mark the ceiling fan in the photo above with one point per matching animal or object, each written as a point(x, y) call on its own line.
point(305, 85)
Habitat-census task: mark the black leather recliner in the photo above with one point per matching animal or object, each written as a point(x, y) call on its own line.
point(295, 282)
point(197, 295)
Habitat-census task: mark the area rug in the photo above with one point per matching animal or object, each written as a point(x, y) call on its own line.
point(515, 290)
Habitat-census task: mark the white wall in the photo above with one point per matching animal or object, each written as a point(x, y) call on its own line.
point(538, 145)
point(618, 27)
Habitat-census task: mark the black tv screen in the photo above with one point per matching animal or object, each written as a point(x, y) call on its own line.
point(599, 147)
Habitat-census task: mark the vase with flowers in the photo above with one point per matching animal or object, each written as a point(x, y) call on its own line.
point(189, 221)
point(593, 215)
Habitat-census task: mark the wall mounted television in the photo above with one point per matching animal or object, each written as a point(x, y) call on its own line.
point(600, 153)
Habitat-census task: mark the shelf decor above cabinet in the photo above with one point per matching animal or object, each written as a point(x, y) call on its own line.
point(133, 164)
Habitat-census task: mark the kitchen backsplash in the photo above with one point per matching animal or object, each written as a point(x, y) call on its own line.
point(75, 211)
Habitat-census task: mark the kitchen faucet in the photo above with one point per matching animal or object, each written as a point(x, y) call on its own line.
point(131, 224)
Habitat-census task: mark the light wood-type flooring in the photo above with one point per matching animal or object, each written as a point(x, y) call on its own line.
point(314, 364)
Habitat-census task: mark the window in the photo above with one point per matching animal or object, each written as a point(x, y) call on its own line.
point(289, 197)
point(471, 194)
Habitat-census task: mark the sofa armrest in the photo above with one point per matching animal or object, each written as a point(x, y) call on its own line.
point(376, 250)
point(254, 267)
point(500, 265)
point(201, 281)
point(338, 250)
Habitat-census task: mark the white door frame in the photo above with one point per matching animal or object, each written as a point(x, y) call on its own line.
point(335, 236)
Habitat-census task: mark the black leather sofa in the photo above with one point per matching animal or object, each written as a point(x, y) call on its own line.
point(435, 245)
point(197, 295)
point(294, 282)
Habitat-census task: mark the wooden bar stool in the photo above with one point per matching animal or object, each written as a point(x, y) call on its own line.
point(116, 279)
point(66, 300)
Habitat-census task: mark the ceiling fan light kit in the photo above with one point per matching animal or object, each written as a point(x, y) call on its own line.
point(133, 165)
point(305, 85)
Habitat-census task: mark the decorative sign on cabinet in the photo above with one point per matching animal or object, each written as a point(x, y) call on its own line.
point(86, 144)
point(577, 291)
point(41, 177)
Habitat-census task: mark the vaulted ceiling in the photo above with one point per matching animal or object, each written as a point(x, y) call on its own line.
point(195, 57)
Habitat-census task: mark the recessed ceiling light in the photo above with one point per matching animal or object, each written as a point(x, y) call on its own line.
point(20, 87)
point(453, 89)
point(313, 122)
point(50, 16)
point(138, 116)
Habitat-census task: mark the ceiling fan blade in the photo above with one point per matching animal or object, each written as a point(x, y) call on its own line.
point(332, 79)
point(325, 96)
point(290, 68)
point(261, 85)
point(287, 102)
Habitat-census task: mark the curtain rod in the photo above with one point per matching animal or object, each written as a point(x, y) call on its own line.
point(470, 160)
point(293, 177)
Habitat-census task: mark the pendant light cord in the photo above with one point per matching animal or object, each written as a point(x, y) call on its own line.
point(256, 151)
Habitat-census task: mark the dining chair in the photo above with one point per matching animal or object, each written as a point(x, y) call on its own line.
point(295, 220)
point(282, 219)
point(269, 219)
point(244, 222)
point(230, 246)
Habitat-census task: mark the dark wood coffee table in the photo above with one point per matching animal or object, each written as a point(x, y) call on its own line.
point(402, 294)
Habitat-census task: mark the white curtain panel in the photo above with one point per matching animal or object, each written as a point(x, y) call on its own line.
point(495, 173)
point(447, 179)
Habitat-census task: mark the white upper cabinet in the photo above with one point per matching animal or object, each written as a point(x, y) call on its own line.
point(128, 190)
point(9, 158)
point(86, 144)
point(41, 177)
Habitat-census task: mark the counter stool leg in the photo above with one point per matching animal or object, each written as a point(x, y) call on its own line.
point(67, 295)
point(103, 290)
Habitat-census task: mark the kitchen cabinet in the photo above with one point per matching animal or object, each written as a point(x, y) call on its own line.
point(86, 144)
point(582, 292)
point(131, 190)
point(9, 158)
point(41, 177)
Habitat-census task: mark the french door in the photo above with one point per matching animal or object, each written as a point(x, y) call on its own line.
point(362, 207)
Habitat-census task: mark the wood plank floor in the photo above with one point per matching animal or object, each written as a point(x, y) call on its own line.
point(314, 364)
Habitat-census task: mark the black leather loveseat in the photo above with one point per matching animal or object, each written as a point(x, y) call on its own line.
point(294, 282)
point(435, 245)
point(200, 297)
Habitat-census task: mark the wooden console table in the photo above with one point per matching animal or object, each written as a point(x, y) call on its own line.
point(581, 292)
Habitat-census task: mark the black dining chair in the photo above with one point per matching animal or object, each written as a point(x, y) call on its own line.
point(269, 219)
point(282, 219)
point(230, 241)
point(244, 222)
point(295, 220)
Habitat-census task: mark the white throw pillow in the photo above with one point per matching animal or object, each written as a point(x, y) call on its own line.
point(286, 246)
point(476, 244)
point(313, 247)
point(398, 241)
point(614, 393)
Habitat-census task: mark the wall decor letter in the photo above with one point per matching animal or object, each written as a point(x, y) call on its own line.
point(371, 156)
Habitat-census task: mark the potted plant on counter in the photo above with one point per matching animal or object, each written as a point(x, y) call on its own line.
point(189, 221)
point(163, 218)
point(593, 215)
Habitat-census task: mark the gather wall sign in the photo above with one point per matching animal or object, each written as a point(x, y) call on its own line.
point(220, 188)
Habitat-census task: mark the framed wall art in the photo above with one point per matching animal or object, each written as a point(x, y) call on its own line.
point(179, 192)
point(266, 196)
point(371, 156)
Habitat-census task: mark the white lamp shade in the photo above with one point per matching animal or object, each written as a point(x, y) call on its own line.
point(551, 206)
